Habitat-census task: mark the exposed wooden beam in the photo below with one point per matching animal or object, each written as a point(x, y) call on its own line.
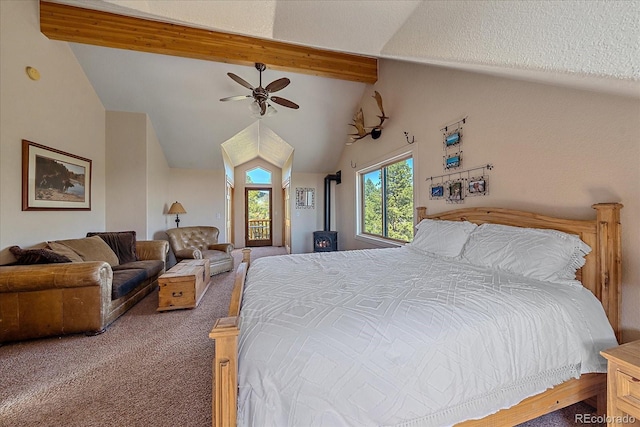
point(79, 25)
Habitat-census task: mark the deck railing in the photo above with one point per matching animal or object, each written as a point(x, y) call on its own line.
point(259, 229)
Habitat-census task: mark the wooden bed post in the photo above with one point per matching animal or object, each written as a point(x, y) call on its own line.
point(225, 372)
point(225, 361)
point(610, 268)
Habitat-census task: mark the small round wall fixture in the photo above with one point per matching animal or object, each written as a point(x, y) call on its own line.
point(33, 73)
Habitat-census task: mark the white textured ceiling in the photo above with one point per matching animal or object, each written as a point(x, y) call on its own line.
point(593, 45)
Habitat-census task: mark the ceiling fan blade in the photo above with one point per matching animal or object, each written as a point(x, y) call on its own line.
point(263, 108)
point(240, 80)
point(284, 102)
point(235, 98)
point(277, 85)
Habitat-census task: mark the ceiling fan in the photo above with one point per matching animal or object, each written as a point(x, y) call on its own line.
point(262, 95)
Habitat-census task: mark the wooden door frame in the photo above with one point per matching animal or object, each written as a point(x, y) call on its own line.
point(286, 203)
point(256, 243)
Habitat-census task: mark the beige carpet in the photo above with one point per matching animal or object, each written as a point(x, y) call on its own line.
point(148, 369)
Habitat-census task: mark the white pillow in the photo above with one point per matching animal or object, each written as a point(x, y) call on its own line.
point(443, 238)
point(547, 255)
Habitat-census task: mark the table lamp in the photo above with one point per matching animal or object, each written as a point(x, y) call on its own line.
point(177, 209)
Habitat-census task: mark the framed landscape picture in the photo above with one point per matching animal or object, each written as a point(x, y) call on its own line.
point(53, 179)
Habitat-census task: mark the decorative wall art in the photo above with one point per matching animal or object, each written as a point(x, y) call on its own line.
point(452, 145)
point(453, 162)
point(455, 191)
point(437, 191)
point(305, 198)
point(361, 129)
point(53, 179)
point(454, 187)
point(478, 186)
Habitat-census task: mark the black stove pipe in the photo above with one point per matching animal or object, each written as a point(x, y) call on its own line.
point(337, 177)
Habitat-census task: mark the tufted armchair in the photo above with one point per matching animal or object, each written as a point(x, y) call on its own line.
point(201, 242)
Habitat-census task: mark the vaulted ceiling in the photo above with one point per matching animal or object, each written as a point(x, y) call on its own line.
point(583, 44)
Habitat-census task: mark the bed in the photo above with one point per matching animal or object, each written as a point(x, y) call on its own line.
point(571, 377)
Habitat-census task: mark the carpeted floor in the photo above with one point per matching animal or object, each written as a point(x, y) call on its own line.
point(148, 369)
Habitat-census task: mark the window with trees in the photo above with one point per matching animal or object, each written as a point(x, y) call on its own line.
point(386, 202)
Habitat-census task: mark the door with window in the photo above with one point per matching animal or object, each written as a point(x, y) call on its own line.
point(258, 213)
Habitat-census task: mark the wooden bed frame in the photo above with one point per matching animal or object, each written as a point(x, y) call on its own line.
point(600, 274)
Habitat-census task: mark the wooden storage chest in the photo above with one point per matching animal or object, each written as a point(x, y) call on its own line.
point(183, 285)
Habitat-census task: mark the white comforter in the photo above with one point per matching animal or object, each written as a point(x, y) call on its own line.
point(392, 337)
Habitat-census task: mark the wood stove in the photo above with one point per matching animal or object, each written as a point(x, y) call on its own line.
point(325, 241)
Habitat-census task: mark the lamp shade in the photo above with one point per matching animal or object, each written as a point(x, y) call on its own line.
point(176, 208)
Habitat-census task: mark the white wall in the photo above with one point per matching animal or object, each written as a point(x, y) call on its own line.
point(126, 172)
point(157, 185)
point(555, 151)
point(305, 221)
point(61, 110)
point(137, 176)
point(201, 193)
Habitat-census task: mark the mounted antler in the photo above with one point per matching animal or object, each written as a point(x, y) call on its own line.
point(358, 123)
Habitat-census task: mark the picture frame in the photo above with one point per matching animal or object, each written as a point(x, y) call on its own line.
point(436, 191)
point(305, 198)
point(477, 186)
point(455, 192)
point(53, 179)
point(453, 161)
point(453, 138)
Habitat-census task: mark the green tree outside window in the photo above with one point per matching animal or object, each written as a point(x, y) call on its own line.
point(388, 201)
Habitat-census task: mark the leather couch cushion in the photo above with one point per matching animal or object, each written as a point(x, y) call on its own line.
point(151, 267)
point(61, 249)
point(123, 243)
point(124, 281)
point(92, 249)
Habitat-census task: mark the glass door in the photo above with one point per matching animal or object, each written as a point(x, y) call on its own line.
point(258, 229)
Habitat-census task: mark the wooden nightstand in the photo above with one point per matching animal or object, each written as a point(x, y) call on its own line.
point(623, 384)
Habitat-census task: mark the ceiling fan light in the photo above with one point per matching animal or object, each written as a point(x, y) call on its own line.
point(256, 111)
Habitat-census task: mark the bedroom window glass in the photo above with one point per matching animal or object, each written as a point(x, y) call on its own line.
point(387, 200)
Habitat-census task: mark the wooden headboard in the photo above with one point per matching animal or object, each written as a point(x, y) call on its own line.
point(601, 273)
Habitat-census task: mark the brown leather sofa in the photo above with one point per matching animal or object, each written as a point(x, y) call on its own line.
point(71, 297)
point(201, 242)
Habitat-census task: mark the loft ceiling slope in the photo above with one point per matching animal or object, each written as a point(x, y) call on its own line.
point(87, 26)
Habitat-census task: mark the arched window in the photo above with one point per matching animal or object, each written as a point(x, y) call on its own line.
point(258, 176)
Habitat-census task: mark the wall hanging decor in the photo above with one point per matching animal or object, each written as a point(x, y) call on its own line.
point(305, 198)
point(413, 138)
point(454, 187)
point(452, 144)
point(455, 192)
point(437, 191)
point(478, 186)
point(453, 161)
point(54, 180)
point(361, 129)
